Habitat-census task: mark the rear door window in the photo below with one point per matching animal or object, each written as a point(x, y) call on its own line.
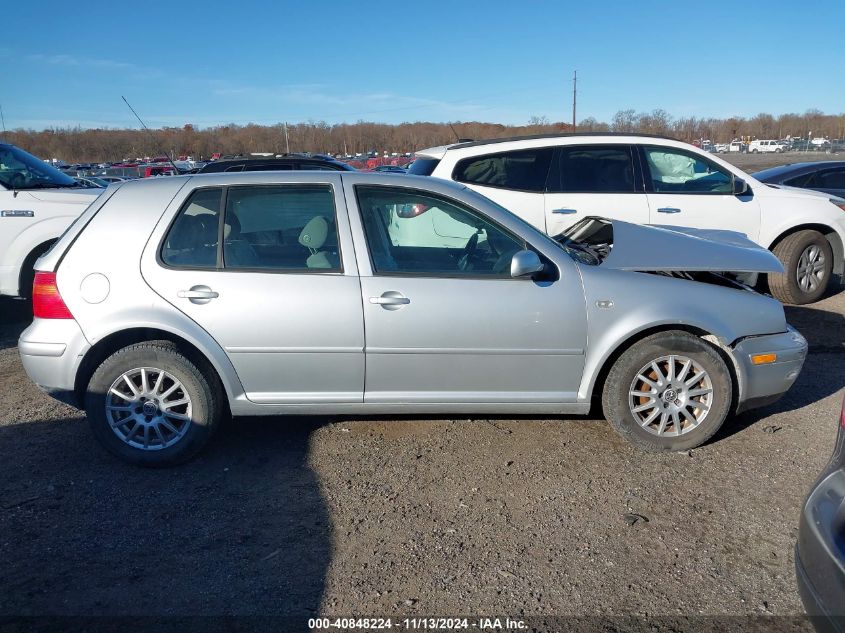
point(281, 227)
point(192, 239)
point(593, 169)
point(520, 170)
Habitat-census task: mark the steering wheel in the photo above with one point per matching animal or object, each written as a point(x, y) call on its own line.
point(465, 261)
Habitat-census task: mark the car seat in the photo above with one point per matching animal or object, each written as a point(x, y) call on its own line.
point(237, 251)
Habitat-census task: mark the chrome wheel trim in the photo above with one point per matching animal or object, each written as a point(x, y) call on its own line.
point(670, 396)
point(148, 408)
point(810, 271)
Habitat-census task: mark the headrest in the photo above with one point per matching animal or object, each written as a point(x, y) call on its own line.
point(314, 233)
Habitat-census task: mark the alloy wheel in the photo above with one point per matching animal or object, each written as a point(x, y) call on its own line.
point(810, 272)
point(148, 408)
point(670, 396)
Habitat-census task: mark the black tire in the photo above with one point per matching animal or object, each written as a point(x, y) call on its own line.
point(200, 385)
point(615, 396)
point(27, 276)
point(784, 286)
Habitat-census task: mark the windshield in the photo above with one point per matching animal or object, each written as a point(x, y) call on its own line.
point(20, 170)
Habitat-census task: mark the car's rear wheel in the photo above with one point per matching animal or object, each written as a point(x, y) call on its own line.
point(670, 391)
point(149, 405)
point(807, 260)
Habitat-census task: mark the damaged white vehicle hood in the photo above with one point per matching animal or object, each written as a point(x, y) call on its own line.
point(652, 248)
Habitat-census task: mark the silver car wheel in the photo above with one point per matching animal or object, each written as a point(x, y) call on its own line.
point(148, 408)
point(810, 271)
point(670, 396)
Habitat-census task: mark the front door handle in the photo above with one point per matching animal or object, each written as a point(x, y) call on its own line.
point(668, 210)
point(565, 211)
point(391, 300)
point(198, 294)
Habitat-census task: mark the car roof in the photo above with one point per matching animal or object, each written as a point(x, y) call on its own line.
point(532, 137)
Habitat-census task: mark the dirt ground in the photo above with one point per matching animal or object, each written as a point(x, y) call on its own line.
point(343, 517)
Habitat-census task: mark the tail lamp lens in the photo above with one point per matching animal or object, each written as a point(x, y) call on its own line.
point(47, 303)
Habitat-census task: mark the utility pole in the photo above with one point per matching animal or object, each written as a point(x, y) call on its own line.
point(287, 141)
point(574, 96)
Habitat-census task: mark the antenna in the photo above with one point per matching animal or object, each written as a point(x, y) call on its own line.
point(457, 138)
point(169, 159)
point(3, 119)
point(574, 94)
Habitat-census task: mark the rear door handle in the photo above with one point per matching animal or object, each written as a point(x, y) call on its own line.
point(198, 294)
point(390, 300)
point(565, 211)
point(668, 210)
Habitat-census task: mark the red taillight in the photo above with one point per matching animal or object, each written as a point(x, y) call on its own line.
point(47, 303)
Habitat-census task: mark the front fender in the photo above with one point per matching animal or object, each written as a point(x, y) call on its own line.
point(642, 302)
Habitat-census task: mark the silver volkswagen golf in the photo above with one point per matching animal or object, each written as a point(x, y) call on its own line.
point(173, 302)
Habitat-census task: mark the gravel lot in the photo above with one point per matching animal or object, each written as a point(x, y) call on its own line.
point(401, 517)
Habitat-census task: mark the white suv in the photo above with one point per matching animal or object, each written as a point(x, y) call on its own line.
point(37, 203)
point(552, 181)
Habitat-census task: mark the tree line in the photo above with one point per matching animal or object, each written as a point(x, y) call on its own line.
point(75, 144)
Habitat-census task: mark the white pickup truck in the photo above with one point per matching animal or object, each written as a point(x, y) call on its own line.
point(37, 204)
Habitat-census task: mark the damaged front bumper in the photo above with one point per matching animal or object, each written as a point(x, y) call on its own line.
point(767, 366)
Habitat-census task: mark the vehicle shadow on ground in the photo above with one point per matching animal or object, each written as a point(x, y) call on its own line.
point(241, 530)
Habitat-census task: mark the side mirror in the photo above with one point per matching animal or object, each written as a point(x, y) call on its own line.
point(525, 263)
point(740, 187)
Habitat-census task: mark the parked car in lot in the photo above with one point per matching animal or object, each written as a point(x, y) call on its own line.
point(820, 551)
point(275, 163)
point(827, 176)
point(382, 293)
point(37, 203)
point(92, 182)
point(767, 147)
point(552, 181)
point(737, 147)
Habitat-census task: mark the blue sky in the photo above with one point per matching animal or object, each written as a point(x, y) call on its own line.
point(211, 63)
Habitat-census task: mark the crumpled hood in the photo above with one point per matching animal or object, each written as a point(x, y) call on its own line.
point(675, 248)
point(70, 196)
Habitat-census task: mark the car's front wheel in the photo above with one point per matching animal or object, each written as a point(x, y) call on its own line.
point(670, 391)
point(807, 260)
point(150, 405)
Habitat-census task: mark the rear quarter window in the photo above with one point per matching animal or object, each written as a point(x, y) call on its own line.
point(424, 166)
point(521, 170)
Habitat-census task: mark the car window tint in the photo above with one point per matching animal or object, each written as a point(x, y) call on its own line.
point(833, 179)
point(192, 239)
point(522, 170)
point(423, 166)
point(804, 180)
point(676, 171)
point(283, 227)
point(417, 233)
point(593, 169)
